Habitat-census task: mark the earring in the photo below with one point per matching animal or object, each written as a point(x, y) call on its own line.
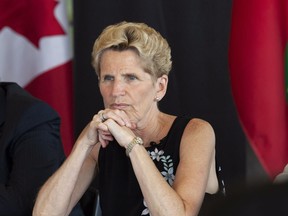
point(157, 99)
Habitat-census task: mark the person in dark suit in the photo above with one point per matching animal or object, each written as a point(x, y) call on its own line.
point(30, 148)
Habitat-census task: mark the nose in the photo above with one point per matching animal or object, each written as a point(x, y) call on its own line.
point(118, 88)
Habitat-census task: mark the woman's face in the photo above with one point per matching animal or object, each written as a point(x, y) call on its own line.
point(126, 86)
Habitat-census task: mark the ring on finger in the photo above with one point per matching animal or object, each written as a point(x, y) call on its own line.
point(102, 118)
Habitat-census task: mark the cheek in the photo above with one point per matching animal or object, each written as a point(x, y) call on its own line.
point(104, 93)
point(103, 90)
point(145, 96)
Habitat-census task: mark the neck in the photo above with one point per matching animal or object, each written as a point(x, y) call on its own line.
point(154, 130)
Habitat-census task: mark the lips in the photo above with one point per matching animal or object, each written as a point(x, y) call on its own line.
point(120, 106)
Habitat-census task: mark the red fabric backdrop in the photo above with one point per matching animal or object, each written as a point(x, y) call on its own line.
point(257, 49)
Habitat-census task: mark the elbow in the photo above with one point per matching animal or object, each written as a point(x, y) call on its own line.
point(42, 211)
point(36, 212)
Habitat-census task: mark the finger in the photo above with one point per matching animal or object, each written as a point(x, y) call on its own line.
point(105, 132)
point(107, 137)
point(101, 116)
point(124, 118)
point(122, 134)
point(103, 142)
point(118, 116)
point(103, 127)
point(96, 117)
point(91, 132)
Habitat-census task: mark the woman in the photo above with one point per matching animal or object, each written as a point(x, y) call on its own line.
point(149, 162)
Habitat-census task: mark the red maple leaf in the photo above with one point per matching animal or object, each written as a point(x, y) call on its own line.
point(31, 18)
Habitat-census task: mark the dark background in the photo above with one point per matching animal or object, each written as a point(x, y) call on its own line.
point(199, 85)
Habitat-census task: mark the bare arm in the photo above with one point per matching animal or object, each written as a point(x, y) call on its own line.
point(196, 157)
point(66, 186)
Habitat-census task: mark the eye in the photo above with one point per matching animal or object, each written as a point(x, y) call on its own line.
point(108, 78)
point(131, 77)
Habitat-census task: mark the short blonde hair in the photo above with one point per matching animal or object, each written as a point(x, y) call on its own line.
point(153, 50)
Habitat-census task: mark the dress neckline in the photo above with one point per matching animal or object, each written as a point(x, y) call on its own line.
point(164, 139)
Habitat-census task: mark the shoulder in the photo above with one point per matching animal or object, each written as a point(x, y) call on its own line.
point(25, 110)
point(197, 150)
point(41, 110)
point(38, 113)
point(19, 102)
point(198, 134)
point(197, 126)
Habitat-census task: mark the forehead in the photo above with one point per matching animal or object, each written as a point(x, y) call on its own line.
point(123, 62)
point(119, 59)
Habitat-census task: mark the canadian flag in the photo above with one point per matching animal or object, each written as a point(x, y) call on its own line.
point(258, 67)
point(35, 52)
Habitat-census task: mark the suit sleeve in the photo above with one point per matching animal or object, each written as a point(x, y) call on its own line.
point(35, 154)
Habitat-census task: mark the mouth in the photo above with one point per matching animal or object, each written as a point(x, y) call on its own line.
point(120, 106)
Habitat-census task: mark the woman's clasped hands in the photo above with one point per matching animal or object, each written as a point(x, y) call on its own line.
point(111, 124)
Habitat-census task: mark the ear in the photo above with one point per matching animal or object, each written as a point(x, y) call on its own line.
point(161, 86)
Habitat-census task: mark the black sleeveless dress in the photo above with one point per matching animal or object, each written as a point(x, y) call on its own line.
point(119, 190)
